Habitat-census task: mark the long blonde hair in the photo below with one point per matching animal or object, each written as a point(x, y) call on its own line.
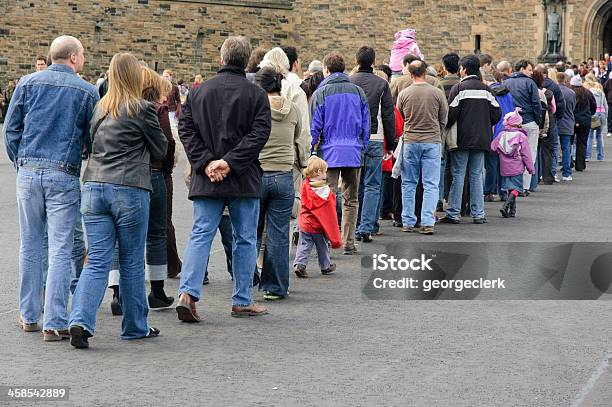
point(591, 83)
point(124, 86)
point(154, 87)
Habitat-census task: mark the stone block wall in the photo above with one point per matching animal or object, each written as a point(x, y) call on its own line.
point(186, 35)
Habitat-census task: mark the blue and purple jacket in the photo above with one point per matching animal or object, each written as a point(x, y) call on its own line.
point(340, 121)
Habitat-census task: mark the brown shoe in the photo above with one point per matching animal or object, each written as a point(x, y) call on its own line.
point(28, 327)
point(300, 271)
point(330, 269)
point(55, 335)
point(187, 311)
point(249, 311)
point(409, 229)
point(426, 230)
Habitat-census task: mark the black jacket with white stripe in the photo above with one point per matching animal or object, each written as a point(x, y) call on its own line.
point(472, 106)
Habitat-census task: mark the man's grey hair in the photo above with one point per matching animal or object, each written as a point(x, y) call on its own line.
point(63, 47)
point(236, 51)
point(315, 66)
point(504, 66)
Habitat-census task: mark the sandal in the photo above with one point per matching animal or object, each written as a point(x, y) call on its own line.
point(153, 333)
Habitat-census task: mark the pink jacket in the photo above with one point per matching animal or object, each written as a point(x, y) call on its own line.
point(404, 44)
point(514, 154)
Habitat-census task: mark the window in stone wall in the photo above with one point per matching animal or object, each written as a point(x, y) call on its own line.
point(278, 4)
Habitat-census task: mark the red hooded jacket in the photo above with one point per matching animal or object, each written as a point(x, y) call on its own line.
point(319, 215)
point(387, 165)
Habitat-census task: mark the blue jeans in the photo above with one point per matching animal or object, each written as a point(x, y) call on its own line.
point(492, 177)
point(156, 255)
point(566, 146)
point(473, 162)
point(114, 212)
point(244, 214)
point(275, 206)
point(370, 187)
point(596, 134)
point(420, 160)
point(78, 254)
point(225, 230)
point(46, 199)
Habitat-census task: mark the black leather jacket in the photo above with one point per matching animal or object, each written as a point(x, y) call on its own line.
point(124, 148)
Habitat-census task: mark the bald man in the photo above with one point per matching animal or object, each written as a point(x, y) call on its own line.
point(46, 128)
point(505, 68)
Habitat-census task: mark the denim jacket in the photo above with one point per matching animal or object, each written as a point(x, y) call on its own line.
point(47, 123)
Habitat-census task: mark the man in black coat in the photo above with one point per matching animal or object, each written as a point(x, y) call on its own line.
point(474, 109)
point(223, 127)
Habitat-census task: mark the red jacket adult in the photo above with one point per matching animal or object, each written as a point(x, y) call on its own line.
point(319, 215)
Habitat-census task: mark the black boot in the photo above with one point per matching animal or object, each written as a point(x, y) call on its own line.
point(157, 297)
point(512, 201)
point(115, 304)
point(505, 209)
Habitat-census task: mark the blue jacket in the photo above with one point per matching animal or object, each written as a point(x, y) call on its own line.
point(559, 99)
point(506, 104)
point(340, 121)
point(566, 124)
point(47, 122)
point(525, 94)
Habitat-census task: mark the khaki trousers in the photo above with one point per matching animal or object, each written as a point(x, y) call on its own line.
point(350, 199)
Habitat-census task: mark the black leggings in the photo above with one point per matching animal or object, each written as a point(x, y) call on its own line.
point(582, 138)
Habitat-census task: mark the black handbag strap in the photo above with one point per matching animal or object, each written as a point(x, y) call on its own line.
point(95, 128)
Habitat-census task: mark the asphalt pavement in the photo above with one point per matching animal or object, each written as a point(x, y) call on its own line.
point(326, 345)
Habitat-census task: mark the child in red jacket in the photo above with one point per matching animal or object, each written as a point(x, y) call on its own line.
point(318, 221)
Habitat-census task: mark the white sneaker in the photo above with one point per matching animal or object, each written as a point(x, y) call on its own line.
point(557, 178)
point(568, 178)
point(609, 134)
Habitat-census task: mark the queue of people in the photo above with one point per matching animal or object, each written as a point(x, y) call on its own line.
point(335, 152)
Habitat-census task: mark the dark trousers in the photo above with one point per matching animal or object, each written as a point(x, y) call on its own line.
point(609, 118)
point(582, 137)
point(492, 178)
point(547, 155)
point(387, 203)
point(227, 240)
point(396, 186)
point(174, 261)
point(397, 200)
point(157, 253)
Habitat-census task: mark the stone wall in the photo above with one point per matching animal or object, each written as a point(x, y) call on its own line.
point(186, 36)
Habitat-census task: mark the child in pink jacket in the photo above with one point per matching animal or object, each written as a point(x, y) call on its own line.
point(514, 158)
point(404, 44)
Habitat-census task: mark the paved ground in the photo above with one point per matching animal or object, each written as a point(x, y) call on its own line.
point(328, 346)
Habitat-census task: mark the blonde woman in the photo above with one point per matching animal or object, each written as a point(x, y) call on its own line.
point(115, 201)
point(592, 84)
point(196, 82)
point(154, 89)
